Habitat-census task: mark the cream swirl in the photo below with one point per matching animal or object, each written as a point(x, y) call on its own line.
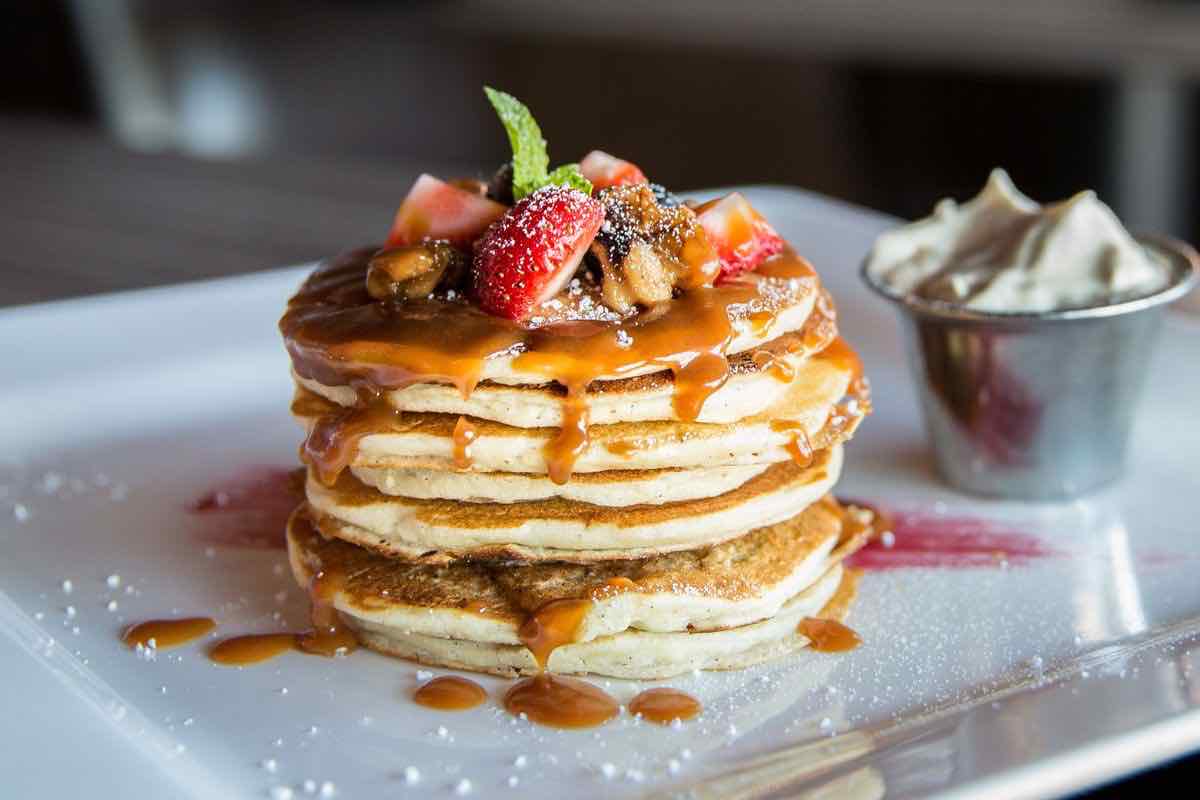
point(1001, 251)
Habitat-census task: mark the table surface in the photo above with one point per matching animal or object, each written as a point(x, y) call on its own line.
point(83, 216)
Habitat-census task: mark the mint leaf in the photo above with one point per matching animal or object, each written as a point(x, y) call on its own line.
point(569, 175)
point(529, 160)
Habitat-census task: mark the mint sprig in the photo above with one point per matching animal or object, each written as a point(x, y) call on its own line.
point(530, 162)
point(568, 175)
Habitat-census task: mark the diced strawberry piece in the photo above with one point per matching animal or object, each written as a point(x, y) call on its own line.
point(434, 209)
point(742, 238)
point(533, 250)
point(604, 170)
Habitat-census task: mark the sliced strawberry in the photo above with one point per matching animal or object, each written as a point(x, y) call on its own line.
point(435, 209)
point(533, 250)
point(604, 170)
point(742, 237)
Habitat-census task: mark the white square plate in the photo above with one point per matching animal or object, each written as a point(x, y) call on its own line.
point(1053, 655)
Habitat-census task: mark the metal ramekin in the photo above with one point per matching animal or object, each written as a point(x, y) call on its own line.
point(1035, 405)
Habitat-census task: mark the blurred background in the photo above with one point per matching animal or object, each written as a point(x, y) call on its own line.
point(144, 142)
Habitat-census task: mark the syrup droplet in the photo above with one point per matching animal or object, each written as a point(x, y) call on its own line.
point(241, 651)
point(552, 626)
point(464, 436)
point(560, 702)
point(828, 635)
point(168, 632)
point(450, 693)
point(328, 637)
point(663, 705)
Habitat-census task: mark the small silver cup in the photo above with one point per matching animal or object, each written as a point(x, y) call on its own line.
point(1034, 405)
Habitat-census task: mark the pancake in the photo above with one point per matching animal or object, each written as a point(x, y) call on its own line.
point(426, 441)
point(751, 388)
point(616, 488)
point(634, 655)
point(758, 379)
point(564, 529)
point(723, 607)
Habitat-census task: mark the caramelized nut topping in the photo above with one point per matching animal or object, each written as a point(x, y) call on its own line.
point(414, 271)
point(646, 248)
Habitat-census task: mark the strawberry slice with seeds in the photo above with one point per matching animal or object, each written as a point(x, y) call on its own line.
point(604, 170)
point(532, 251)
point(742, 238)
point(434, 209)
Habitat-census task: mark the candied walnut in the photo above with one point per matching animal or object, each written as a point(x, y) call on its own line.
point(647, 247)
point(643, 278)
point(414, 271)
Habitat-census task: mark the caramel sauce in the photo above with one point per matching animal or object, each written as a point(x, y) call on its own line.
point(842, 356)
point(663, 705)
point(564, 449)
point(338, 335)
point(561, 702)
point(552, 626)
point(760, 322)
point(167, 632)
point(820, 329)
point(241, 651)
point(828, 635)
point(450, 693)
point(624, 447)
point(550, 699)
point(696, 381)
point(800, 449)
point(859, 518)
point(328, 637)
point(464, 436)
point(333, 441)
point(774, 366)
point(800, 446)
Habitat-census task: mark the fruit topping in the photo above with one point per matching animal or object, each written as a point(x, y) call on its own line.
point(414, 271)
point(533, 251)
point(645, 249)
point(472, 185)
point(604, 170)
point(530, 163)
point(742, 237)
point(434, 209)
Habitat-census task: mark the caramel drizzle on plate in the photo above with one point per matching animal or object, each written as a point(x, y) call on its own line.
point(664, 705)
point(164, 633)
point(828, 635)
point(450, 693)
point(328, 637)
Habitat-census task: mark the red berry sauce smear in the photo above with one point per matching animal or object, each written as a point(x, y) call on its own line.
point(251, 508)
point(948, 541)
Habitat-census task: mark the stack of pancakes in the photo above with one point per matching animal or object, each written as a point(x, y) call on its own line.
point(683, 488)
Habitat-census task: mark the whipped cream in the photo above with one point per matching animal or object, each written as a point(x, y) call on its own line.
point(1002, 251)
